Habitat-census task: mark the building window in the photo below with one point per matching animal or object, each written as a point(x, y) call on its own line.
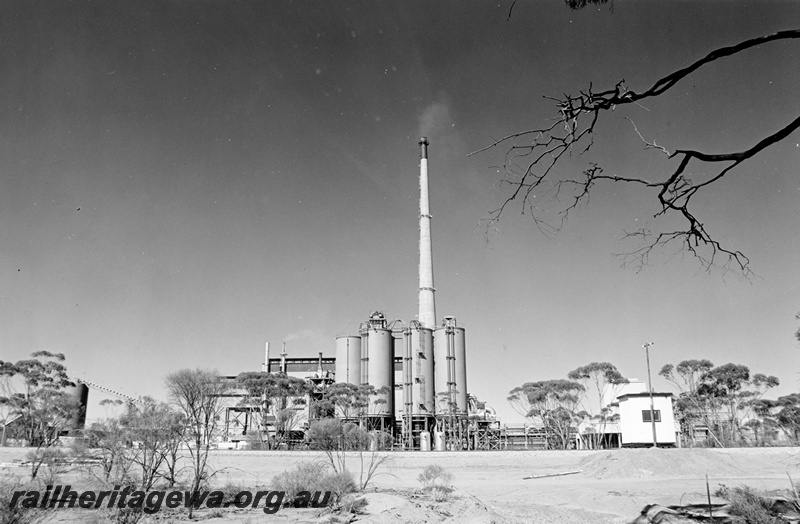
point(646, 415)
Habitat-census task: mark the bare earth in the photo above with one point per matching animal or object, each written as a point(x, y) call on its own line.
point(612, 486)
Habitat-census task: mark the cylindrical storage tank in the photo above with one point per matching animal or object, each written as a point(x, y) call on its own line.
point(422, 371)
point(80, 395)
point(461, 369)
point(444, 380)
point(424, 441)
point(438, 441)
point(380, 369)
point(348, 360)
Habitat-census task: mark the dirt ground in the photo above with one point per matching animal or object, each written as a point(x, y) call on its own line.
point(602, 486)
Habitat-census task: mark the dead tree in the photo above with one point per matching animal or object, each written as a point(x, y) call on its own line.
point(532, 158)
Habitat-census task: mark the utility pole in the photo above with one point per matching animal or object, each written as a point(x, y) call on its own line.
point(650, 390)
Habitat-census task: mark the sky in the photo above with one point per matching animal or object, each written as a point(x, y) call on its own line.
point(181, 182)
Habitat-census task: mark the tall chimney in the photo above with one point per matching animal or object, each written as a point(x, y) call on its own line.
point(427, 305)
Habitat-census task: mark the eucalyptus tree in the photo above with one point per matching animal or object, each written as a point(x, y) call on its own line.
point(37, 402)
point(281, 399)
point(712, 395)
point(604, 380)
point(345, 400)
point(690, 408)
point(552, 403)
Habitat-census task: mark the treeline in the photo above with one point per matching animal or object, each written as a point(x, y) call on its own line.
point(154, 442)
point(726, 402)
point(715, 406)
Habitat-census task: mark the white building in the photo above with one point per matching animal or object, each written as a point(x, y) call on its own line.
point(635, 426)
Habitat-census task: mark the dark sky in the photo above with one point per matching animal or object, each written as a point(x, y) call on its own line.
point(181, 182)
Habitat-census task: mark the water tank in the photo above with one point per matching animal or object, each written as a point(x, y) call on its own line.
point(423, 391)
point(348, 359)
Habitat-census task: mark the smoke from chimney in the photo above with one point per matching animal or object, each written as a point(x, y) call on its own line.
point(435, 117)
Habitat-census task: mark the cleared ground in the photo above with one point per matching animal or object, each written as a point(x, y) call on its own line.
point(610, 487)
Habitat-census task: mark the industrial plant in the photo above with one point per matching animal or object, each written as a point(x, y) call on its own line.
point(417, 369)
point(416, 375)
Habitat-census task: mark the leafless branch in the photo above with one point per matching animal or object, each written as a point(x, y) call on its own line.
point(532, 158)
point(647, 145)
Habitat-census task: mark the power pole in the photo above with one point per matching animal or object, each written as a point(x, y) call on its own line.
point(650, 390)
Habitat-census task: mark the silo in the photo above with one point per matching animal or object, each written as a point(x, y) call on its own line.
point(423, 391)
point(450, 367)
point(80, 394)
point(348, 359)
point(377, 363)
point(381, 369)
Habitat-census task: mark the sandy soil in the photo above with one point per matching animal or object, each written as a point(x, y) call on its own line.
point(611, 486)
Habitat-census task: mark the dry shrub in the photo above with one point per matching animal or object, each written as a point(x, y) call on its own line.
point(339, 484)
point(51, 464)
point(122, 515)
point(18, 514)
point(313, 477)
point(749, 506)
point(437, 480)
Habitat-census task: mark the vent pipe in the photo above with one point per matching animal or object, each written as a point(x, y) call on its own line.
point(427, 307)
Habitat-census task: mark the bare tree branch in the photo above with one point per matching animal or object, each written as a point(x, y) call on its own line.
point(530, 167)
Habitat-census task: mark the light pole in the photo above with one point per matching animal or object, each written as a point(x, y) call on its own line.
point(650, 390)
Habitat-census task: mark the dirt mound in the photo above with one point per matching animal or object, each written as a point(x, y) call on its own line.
point(667, 463)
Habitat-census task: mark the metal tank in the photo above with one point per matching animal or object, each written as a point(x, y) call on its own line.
point(444, 370)
point(380, 364)
point(439, 441)
point(425, 440)
point(421, 363)
point(348, 359)
point(450, 367)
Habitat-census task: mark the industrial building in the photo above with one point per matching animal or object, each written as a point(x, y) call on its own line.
point(418, 368)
